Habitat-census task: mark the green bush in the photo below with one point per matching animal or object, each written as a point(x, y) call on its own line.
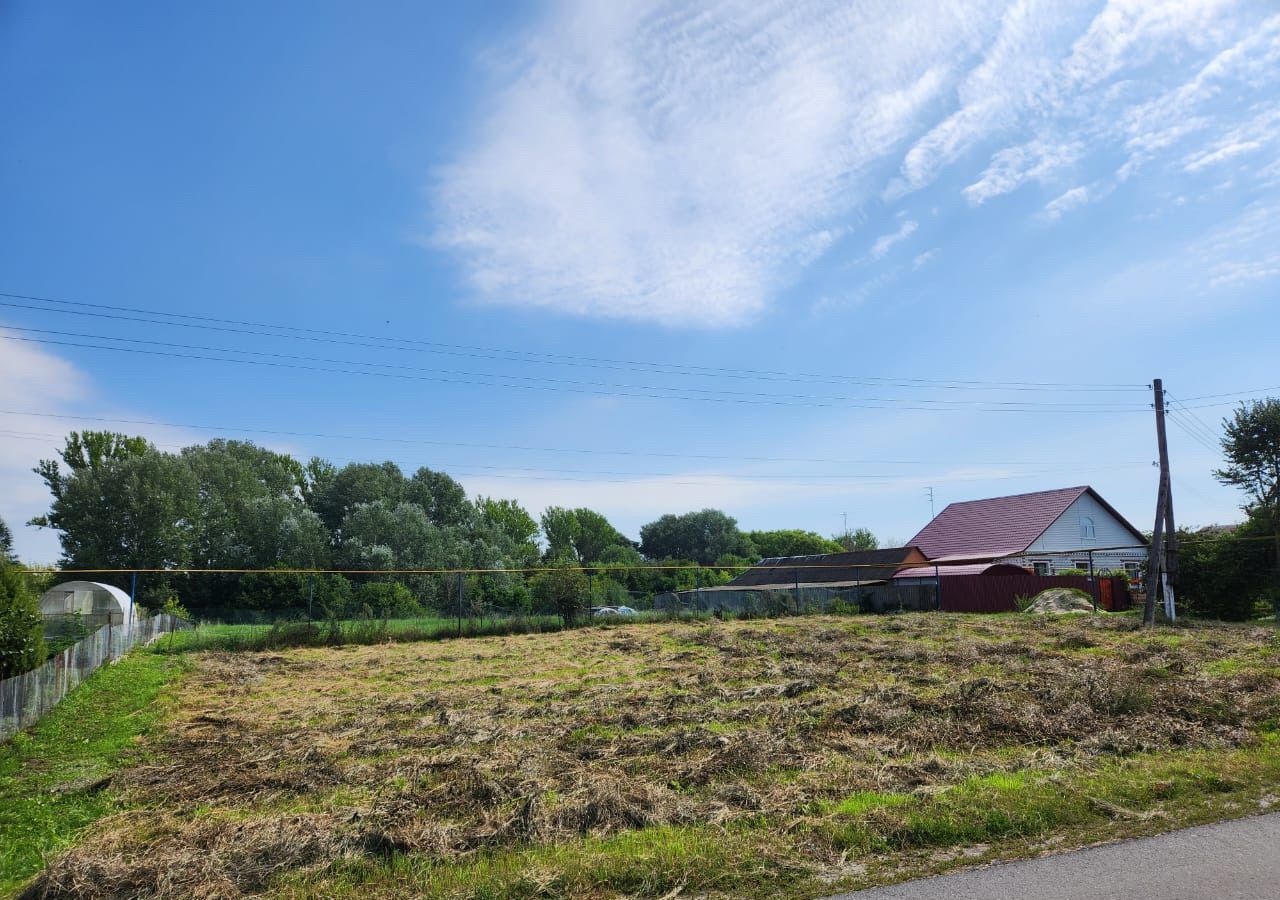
point(562, 587)
point(388, 600)
point(21, 625)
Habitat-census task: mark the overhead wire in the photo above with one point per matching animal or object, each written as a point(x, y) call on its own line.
point(540, 473)
point(1204, 428)
point(263, 329)
point(275, 432)
point(1173, 417)
point(557, 384)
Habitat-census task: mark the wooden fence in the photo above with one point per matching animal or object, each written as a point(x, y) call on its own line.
point(25, 698)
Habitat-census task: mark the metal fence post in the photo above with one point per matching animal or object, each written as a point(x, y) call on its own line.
point(1093, 583)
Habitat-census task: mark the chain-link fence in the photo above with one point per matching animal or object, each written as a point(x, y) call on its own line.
point(25, 698)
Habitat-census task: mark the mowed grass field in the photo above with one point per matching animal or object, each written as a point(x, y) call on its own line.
point(793, 757)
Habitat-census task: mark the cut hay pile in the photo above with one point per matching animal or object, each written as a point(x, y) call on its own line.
point(278, 766)
point(1057, 601)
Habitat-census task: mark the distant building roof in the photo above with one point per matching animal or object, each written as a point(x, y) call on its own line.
point(943, 571)
point(1000, 526)
point(829, 569)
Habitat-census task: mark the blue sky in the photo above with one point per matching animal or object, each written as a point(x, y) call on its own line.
point(794, 260)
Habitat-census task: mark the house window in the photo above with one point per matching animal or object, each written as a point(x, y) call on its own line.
point(1042, 567)
point(1087, 531)
point(1081, 564)
point(1133, 569)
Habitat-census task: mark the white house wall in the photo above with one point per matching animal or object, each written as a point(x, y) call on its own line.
point(1062, 543)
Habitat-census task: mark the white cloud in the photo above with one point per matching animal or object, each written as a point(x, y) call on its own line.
point(1263, 130)
point(885, 243)
point(1012, 167)
point(676, 164)
point(679, 164)
point(1013, 77)
point(44, 396)
point(924, 258)
point(1065, 202)
point(30, 378)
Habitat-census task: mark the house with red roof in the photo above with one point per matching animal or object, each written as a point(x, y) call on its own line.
point(1045, 531)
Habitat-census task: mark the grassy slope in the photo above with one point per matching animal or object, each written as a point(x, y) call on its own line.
point(793, 758)
point(50, 775)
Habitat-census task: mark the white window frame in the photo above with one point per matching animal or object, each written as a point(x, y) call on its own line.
point(1045, 564)
point(1088, 530)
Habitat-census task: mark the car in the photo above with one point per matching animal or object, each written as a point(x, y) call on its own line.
point(624, 610)
point(604, 611)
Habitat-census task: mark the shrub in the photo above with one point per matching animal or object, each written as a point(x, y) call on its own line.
point(21, 625)
point(388, 600)
point(564, 588)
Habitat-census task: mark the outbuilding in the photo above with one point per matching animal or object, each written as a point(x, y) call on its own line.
point(96, 603)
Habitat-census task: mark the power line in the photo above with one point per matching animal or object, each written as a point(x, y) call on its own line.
point(557, 383)
point(507, 354)
point(519, 447)
point(1242, 394)
point(1208, 431)
point(535, 473)
point(1188, 430)
point(763, 399)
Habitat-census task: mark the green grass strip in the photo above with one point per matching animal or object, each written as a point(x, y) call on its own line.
point(51, 776)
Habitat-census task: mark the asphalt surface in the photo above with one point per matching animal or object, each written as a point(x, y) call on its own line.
point(1237, 860)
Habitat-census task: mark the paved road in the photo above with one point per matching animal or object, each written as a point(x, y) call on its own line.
point(1237, 860)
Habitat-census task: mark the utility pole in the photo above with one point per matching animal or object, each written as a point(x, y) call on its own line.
point(929, 491)
point(1162, 567)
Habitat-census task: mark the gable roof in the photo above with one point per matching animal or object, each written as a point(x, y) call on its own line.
point(833, 569)
point(1001, 526)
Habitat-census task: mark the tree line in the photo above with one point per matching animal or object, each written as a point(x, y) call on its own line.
point(118, 502)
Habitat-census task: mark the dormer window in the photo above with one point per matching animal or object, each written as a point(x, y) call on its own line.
point(1087, 531)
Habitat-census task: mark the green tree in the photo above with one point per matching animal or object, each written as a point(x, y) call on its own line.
point(564, 588)
point(6, 543)
point(702, 536)
point(237, 481)
point(858, 539)
point(127, 511)
point(440, 496)
point(86, 451)
point(353, 484)
point(595, 535)
point(1223, 571)
point(21, 625)
point(318, 478)
point(1251, 443)
point(789, 542)
point(582, 534)
point(507, 523)
point(560, 527)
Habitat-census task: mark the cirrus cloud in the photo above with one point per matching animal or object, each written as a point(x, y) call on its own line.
point(681, 163)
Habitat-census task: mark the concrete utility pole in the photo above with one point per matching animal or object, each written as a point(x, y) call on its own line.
point(1162, 567)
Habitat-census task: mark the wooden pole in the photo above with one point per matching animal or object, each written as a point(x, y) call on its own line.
point(1156, 565)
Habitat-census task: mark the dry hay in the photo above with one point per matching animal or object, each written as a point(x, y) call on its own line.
point(1060, 601)
point(287, 762)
